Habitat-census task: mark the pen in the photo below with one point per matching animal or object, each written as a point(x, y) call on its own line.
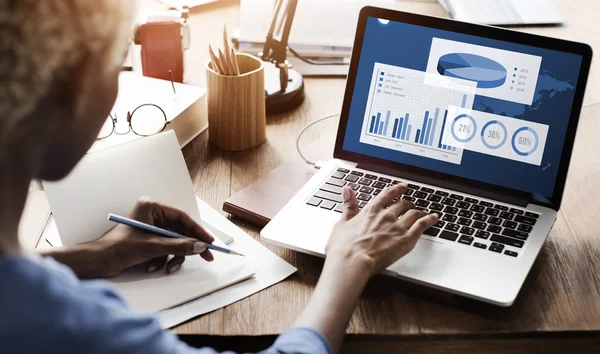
point(164, 233)
point(172, 83)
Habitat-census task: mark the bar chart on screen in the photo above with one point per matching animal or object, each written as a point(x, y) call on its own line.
point(407, 111)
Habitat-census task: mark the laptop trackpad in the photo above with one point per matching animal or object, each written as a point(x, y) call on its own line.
point(427, 256)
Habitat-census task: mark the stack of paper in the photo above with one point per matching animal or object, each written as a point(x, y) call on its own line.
point(503, 12)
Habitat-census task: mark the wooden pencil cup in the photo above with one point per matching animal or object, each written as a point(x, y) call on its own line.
point(236, 105)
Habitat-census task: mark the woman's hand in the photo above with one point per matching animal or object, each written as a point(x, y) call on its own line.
point(383, 232)
point(363, 243)
point(124, 247)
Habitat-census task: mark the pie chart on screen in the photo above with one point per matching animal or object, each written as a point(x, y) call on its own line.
point(486, 72)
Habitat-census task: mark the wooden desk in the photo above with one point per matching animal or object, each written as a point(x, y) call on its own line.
point(558, 309)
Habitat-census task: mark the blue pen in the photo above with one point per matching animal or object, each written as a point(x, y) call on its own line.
point(164, 233)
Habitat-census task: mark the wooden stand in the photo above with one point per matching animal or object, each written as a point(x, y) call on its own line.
point(236, 106)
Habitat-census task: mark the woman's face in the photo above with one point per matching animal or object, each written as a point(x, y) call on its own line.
point(87, 101)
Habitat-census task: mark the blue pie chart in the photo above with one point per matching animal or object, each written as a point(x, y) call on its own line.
point(486, 72)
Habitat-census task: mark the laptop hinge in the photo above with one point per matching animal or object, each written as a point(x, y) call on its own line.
point(501, 197)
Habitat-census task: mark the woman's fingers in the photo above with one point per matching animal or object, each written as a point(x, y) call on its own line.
point(157, 263)
point(387, 196)
point(401, 207)
point(174, 264)
point(422, 224)
point(350, 203)
point(177, 219)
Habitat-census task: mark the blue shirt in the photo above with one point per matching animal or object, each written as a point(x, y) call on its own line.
point(45, 308)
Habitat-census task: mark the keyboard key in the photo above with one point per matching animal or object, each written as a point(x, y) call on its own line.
point(511, 253)
point(506, 215)
point(364, 197)
point(471, 200)
point(343, 170)
point(480, 217)
point(329, 196)
point(516, 211)
point(362, 204)
point(465, 213)
point(413, 186)
point(336, 182)
point(354, 186)
point(371, 176)
point(366, 189)
point(332, 189)
point(479, 245)
point(479, 225)
point(327, 205)
point(486, 204)
point(432, 231)
point(427, 190)
point(379, 185)
point(467, 230)
point(448, 201)
point(524, 228)
point(338, 175)
point(495, 221)
point(365, 181)
point(434, 198)
point(376, 192)
point(525, 220)
point(510, 224)
point(440, 224)
point(436, 207)
point(447, 235)
point(464, 222)
point(396, 182)
point(450, 218)
point(457, 197)
point(466, 240)
point(477, 208)
point(496, 247)
point(352, 178)
point(452, 227)
point(409, 192)
point(494, 229)
point(357, 173)
point(314, 201)
point(422, 203)
point(492, 212)
point(410, 199)
point(482, 234)
point(463, 205)
point(442, 193)
point(420, 195)
point(532, 215)
point(501, 207)
point(339, 208)
point(516, 234)
point(450, 210)
point(385, 180)
point(507, 241)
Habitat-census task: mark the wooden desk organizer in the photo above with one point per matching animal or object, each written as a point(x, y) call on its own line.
point(236, 105)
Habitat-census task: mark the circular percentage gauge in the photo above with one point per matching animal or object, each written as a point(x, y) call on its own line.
point(493, 134)
point(525, 141)
point(463, 128)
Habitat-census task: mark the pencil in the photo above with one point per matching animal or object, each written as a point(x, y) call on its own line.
point(224, 63)
point(236, 66)
point(164, 233)
point(226, 45)
point(217, 67)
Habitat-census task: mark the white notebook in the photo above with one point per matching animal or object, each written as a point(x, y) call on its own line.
point(504, 12)
point(111, 181)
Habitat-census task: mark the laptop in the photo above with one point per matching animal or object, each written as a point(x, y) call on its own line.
point(479, 121)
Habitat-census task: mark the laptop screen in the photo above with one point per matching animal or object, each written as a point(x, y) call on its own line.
point(473, 107)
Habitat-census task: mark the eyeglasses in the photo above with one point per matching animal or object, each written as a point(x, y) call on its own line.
point(147, 119)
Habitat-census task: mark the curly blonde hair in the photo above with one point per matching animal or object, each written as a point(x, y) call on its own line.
point(41, 40)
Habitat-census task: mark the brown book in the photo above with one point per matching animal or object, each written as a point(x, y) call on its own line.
point(262, 200)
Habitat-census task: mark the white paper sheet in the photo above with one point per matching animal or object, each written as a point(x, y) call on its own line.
point(270, 269)
point(113, 180)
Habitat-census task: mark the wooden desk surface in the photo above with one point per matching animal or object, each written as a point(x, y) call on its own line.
point(561, 293)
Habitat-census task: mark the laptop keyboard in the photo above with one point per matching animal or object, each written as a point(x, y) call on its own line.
point(463, 219)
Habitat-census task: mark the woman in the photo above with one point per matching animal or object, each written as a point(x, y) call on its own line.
point(59, 63)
